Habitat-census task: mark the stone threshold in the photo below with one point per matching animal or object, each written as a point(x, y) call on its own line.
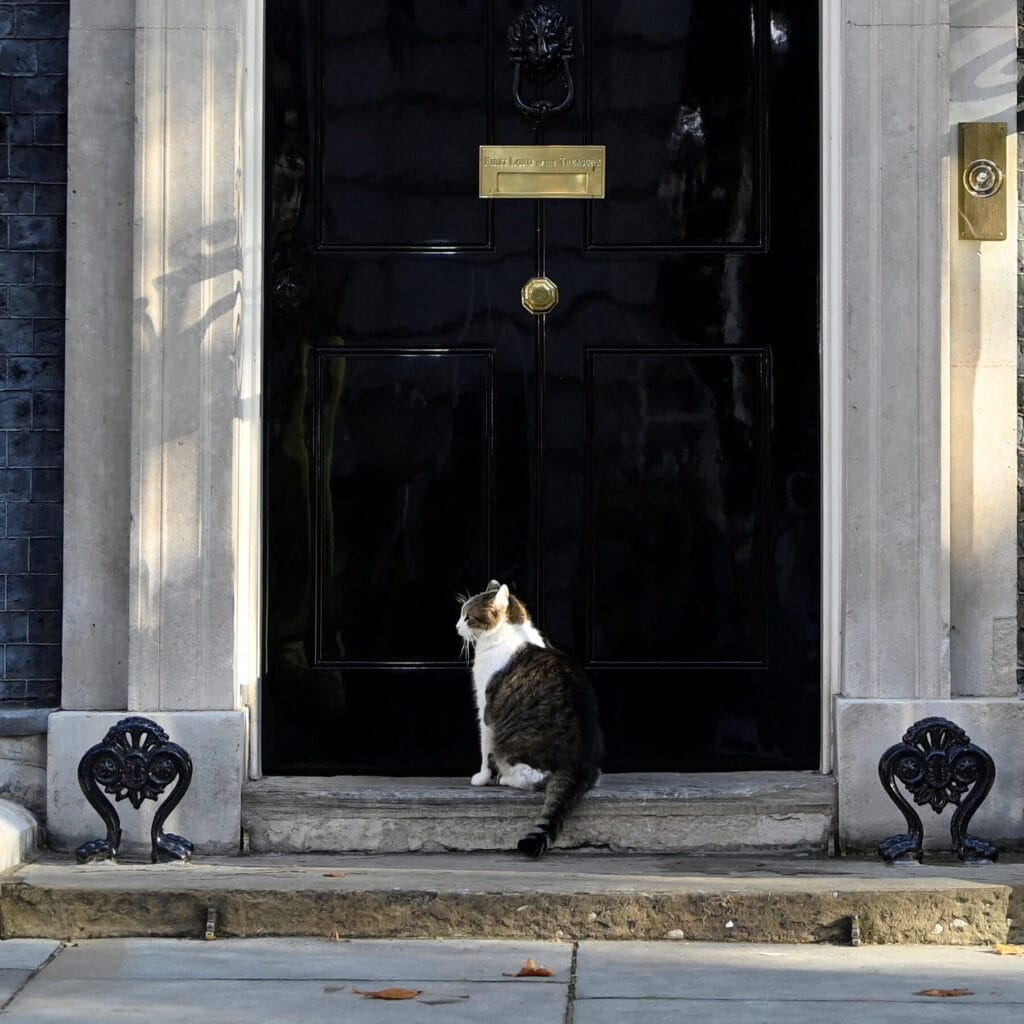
point(569, 895)
point(725, 812)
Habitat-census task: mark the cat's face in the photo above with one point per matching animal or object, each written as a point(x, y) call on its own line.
point(489, 611)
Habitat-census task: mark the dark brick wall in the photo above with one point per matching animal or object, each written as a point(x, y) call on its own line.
point(33, 176)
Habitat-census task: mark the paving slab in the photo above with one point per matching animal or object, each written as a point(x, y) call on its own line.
point(679, 1011)
point(293, 980)
point(19, 959)
point(307, 959)
point(287, 981)
point(26, 954)
point(650, 983)
point(723, 973)
point(10, 982)
point(279, 1002)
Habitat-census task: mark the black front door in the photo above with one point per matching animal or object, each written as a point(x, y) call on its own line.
point(641, 463)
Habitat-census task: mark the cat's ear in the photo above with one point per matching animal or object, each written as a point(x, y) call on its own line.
point(493, 585)
point(501, 598)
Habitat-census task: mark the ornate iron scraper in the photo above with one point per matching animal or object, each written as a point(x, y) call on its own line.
point(136, 761)
point(939, 765)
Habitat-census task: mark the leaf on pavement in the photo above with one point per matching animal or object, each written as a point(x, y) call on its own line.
point(389, 993)
point(335, 874)
point(531, 969)
point(1006, 949)
point(944, 992)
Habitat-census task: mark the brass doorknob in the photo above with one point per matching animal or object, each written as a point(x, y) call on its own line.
point(540, 295)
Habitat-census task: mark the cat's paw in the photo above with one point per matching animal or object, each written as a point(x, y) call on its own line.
point(522, 776)
point(482, 778)
point(534, 845)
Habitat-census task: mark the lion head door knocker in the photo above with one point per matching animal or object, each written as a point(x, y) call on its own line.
point(540, 44)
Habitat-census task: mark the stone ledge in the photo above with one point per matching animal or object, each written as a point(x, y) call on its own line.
point(655, 813)
point(24, 721)
point(566, 895)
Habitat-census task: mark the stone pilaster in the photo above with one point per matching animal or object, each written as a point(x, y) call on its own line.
point(929, 407)
point(101, 110)
point(896, 400)
point(187, 271)
point(983, 357)
point(170, 81)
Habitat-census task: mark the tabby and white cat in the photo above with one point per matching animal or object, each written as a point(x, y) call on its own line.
point(537, 711)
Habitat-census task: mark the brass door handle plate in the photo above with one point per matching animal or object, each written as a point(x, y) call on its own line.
point(982, 167)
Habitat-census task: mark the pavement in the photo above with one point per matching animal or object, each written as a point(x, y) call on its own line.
point(288, 981)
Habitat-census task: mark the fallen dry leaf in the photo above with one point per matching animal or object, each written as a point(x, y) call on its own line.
point(1006, 949)
point(389, 993)
point(943, 992)
point(531, 969)
point(335, 874)
point(335, 936)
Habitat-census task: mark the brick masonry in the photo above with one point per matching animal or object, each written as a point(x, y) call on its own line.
point(33, 190)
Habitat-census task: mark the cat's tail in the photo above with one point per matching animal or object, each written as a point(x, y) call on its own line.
point(564, 791)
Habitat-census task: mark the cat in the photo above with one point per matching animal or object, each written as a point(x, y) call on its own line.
point(537, 711)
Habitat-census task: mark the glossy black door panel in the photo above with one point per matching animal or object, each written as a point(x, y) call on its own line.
point(406, 452)
point(642, 463)
point(676, 494)
point(677, 94)
point(387, 78)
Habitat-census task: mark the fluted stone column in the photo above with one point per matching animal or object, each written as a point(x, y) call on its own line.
point(183, 367)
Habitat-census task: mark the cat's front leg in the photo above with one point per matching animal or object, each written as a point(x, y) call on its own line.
point(485, 776)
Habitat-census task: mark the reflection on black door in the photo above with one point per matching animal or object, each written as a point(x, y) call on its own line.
point(642, 463)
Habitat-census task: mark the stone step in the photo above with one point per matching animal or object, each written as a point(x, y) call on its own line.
point(765, 812)
point(566, 896)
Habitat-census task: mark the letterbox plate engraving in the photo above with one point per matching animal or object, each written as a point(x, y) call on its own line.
point(542, 172)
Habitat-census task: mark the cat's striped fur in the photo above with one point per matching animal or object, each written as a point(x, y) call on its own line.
point(537, 711)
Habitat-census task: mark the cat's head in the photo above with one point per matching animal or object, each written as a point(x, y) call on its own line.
point(488, 611)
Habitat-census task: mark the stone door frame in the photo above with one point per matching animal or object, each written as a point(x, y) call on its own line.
point(164, 347)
